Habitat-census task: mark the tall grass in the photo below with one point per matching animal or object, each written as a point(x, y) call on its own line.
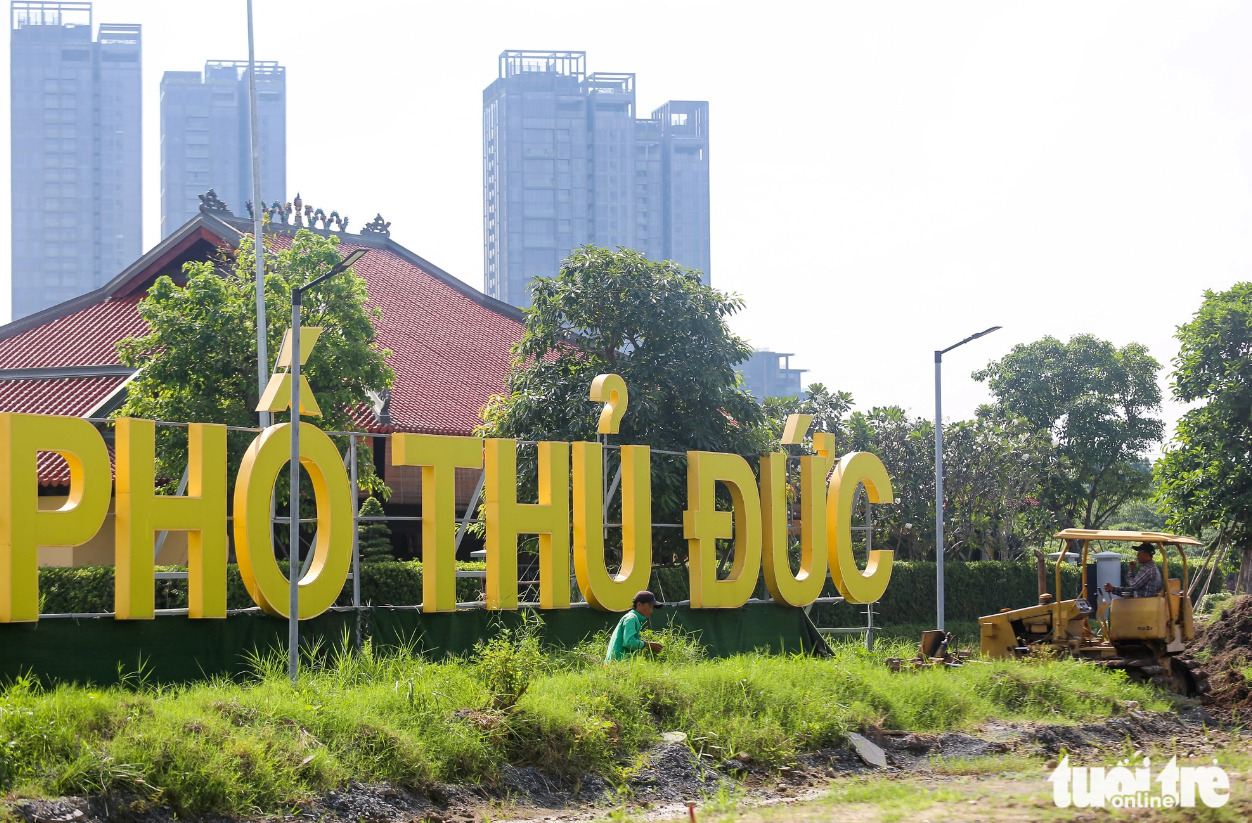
point(262, 744)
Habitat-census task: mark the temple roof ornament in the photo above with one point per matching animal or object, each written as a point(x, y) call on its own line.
point(210, 202)
point(377, 226)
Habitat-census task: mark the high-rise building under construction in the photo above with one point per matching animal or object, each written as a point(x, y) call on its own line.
point(566, 162)
point(76, 176)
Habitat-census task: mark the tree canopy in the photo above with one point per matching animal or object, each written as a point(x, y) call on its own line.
point(829, 408)
point(992, 475)
point(198, 361)
point(1204, 477)
point(1095, 401)
point(665, 333)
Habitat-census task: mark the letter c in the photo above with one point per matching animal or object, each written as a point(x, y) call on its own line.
point(856, 586)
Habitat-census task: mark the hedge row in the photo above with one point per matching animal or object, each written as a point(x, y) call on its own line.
point(972, 590)
point(89, 589)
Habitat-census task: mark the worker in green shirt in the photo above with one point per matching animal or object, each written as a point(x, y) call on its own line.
point(626, 637)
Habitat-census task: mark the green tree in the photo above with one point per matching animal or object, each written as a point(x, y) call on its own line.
point(1095, 401)
point(373, 536)
point(992, 483)
point(827, 407)
point(198, 361)
point(665, 333)
point(906, 446)
point(992, 472)
point(1204, 477)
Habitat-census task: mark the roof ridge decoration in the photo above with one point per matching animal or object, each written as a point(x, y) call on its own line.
point(377, 226)
point(212, 204)
point(281, 213)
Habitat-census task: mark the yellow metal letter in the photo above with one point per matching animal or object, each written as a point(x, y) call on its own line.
point(610, 389)
point(506, 519)
point(141, 512)
point(805, 586)
point(856, 586)
point(439, 458)
point(254, 544)
point(23, 528)
point(703, 525)
point(797, 426)
point(277, 395)
point(604, 591)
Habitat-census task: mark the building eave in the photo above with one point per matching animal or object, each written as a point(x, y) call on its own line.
point(201, 227)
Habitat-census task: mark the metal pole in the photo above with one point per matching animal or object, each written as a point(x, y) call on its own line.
point(939, 487)
point(356, 542)
point(293, 565)
point(258, 246)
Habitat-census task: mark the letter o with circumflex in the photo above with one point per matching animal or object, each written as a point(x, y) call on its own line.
point(254, 546)
point(855, 585)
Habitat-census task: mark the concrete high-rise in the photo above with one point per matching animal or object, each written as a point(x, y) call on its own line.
point(204, 137)
point(769, 374)
point(76, 175)
point(567, 162)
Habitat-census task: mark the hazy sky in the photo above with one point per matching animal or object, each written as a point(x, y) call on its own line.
point(886, 177)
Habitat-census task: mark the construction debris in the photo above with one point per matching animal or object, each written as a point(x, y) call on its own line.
point(872, 754)
point(934, 650)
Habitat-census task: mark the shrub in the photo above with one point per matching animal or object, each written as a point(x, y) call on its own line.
point(373, 536)
point(89, 589)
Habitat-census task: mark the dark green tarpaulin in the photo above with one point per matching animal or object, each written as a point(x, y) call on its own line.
point(173, 649)
point(723, 632)
point(169, 649)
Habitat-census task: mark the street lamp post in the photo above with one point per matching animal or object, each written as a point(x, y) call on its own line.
point(258, 246)
point(293, 505)
point(939, 468)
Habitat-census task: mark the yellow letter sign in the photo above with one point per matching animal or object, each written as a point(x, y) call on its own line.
point(857, 586)
point(439, 458)
point(141, 512)
point(506, 519)
point(254, 539)
point(604, 591)
point(23, 527)
point(704, 525)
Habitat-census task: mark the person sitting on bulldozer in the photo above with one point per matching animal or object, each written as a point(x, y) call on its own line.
point(1146, 582)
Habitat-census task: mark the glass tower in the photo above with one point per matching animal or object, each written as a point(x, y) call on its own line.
point(204, 137)
point(76, 177)
point(566, 162)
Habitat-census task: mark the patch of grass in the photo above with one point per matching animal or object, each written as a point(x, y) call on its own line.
point(724, 801)
point(997, 763)
point(894, 800)
point(262, 745)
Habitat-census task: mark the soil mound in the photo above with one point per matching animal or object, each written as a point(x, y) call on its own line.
point(673, 772)
point(1224, 651)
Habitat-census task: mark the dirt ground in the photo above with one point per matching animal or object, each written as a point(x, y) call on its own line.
point(1223, 648)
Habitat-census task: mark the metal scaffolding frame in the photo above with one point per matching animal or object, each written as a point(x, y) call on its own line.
point(609, 488)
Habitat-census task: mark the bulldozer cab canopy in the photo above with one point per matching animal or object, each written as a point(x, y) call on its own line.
point(1127, 537)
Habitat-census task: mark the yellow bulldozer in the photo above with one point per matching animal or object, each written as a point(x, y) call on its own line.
point(1142, 635)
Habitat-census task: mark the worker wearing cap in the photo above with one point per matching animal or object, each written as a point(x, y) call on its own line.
point(1146, 582)
point(626, 637)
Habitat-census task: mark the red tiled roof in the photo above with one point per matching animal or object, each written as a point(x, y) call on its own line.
point(54, 471)
point(73, 396)
point(450, 353)
point(450, 346)
point(84, 338)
